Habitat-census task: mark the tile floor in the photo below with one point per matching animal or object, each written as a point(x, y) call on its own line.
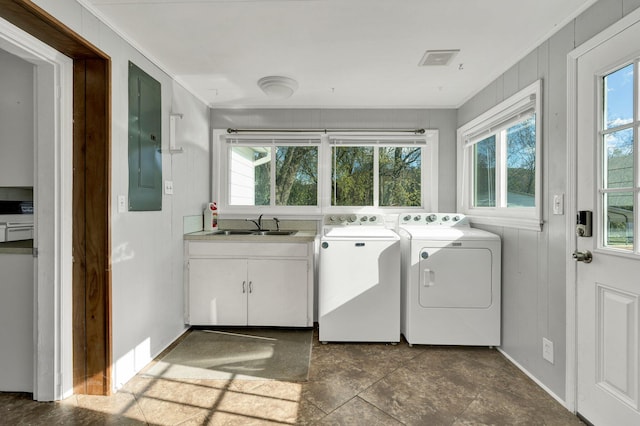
point(349, 384)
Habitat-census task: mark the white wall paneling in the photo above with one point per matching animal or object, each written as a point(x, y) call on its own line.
point(534, 302)
point(147, 297)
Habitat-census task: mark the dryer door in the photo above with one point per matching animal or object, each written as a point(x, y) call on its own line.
point(452, 277)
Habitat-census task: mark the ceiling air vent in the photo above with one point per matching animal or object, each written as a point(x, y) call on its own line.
point(437, 57)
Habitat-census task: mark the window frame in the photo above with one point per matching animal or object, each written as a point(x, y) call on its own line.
point(508, 113)
point(272, 141)
point(602, 190)
point(220, 175)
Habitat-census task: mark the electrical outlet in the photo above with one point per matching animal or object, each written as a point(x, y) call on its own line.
point(122, 203)
point(168, 187)
point(547, 350)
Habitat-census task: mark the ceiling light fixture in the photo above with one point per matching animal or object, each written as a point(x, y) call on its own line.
point(438, 57)
point(278, 87)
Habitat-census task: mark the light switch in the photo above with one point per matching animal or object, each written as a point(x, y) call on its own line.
point(122, 203)
point(558, 204)
point(168, 187)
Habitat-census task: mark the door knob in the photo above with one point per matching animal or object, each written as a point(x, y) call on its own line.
point(583, 256)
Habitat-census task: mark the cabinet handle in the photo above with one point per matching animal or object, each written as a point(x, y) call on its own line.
point(250, 286)
point(243, 288)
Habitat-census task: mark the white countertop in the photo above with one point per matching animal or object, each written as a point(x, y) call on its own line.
point(298, 237)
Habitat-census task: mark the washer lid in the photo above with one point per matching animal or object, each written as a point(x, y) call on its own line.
point(360, 232)
point(449, 234)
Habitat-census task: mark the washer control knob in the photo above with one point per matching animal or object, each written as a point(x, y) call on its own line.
point(363, 219)
point(332, 218)
point(424, 255)
point(372, 219)
point(417, 217)
point(342, 218)
point(432, 218)
point(456, 218)
point(445, 218)
point(407, 218)
point(353, 218)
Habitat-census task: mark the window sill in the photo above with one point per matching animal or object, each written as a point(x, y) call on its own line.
point(527, 224)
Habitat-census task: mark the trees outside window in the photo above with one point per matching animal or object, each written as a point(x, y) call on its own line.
point(397, 182)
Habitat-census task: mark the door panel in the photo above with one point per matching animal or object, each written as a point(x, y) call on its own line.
point(278, 293)
point(617, 343)
point(217, 292)
point(608, 287)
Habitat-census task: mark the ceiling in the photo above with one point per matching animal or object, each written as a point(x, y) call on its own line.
point(342, 53)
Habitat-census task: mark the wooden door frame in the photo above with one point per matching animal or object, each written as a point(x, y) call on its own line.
point(91, 213)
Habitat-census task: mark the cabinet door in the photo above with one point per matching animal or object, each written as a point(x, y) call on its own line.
point(218, 291)
point(278, 293)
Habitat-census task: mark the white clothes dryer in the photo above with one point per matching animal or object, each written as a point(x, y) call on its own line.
point(359, 280)
point(450, 278)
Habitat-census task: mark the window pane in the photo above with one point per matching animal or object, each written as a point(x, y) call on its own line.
point(352, 176)
point(296, 176)
point(400, 176)
point(619, 220)
point(521, 164)
point(618, 150)
point(618, 95)
point(484, 158)
point(250, 176)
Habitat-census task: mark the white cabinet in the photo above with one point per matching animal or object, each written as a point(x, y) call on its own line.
point(16, 323)
point(263, 284)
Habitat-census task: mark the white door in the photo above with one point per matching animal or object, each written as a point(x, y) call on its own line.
point(218, 291)
point(277, 292)
point(608, 288)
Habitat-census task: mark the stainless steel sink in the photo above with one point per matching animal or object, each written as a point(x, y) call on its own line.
point(232, 232)
point(274, 232)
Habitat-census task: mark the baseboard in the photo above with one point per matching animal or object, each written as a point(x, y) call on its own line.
point(534, 378)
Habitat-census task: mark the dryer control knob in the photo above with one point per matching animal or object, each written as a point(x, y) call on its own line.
point(416, 217)
point(424, 255)
point(456, 218)
point(363, 219)
point(432, 218)
point(372, 219)
point(342, 218)
point(407, 218)
point(353, 218)
point(446, 218)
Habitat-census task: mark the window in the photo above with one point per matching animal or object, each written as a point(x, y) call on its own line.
point(309, 173)
point(618, 142)
point(499, 163)
point(379, 173)
point(273, 173)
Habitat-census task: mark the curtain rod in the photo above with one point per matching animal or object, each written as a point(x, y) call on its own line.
point(414, 131)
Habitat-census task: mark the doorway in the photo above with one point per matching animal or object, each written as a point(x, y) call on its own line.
point(604, 321)
point(86, 253)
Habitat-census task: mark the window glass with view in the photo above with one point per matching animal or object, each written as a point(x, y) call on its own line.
point(273, 175)
point(618, 146)
point(517, 170)
point(397, 182)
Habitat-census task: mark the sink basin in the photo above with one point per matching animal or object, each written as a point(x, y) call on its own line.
point(274, 232)
point(232, 232)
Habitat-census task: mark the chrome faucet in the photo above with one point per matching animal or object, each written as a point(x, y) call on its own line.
point(258, 223)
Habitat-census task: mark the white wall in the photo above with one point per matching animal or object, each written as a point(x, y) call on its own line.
point(443, 120)
point(533, 271)
point(147, 289)
point(16, 120)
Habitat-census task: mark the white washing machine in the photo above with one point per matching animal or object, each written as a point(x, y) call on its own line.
point(359, 280)
point(450, 281)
